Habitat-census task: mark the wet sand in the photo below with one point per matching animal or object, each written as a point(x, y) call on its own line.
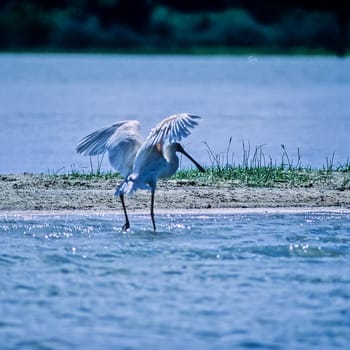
point(29, 192)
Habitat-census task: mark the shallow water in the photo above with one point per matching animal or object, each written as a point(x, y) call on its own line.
point(49, 102)
point(271, 281)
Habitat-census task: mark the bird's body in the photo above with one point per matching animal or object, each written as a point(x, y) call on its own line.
point(141, 162)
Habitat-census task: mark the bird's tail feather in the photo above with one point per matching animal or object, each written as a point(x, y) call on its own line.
point(129, 186)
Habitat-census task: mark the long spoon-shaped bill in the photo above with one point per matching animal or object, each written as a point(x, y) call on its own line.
point(181, 150)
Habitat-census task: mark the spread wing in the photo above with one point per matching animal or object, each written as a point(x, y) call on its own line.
point(172, 129)
point(121, 140)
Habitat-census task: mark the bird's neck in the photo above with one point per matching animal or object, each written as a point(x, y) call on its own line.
point(172, 163)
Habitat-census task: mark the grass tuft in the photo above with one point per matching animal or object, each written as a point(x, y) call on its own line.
point(256, 169)
point(259, 170)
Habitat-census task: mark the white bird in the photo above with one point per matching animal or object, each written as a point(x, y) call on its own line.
point(141, 162)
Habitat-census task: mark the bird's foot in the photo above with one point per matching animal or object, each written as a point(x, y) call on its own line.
point(126, 226)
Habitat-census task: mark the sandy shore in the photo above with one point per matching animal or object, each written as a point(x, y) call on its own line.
point(28, 192)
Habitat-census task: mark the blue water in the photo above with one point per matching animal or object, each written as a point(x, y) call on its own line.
point(240, 281)
point(49, 102)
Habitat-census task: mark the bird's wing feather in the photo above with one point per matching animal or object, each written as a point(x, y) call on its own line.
point(98, 141)
point(172, 129)
point(121, 140)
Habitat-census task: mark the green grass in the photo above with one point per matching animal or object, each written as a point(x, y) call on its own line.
point(253, 177)
point(255, 170)
point(86, 174)
point(265, 176)
point(259, 170)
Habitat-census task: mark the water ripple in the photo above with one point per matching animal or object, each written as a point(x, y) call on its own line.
point(230, 281)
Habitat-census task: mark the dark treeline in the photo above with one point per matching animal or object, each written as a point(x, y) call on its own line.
point(170, 25)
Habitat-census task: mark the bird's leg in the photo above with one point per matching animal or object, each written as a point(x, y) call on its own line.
point(126, 226)
point(152, 208)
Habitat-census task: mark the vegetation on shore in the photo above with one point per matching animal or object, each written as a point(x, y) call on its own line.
point(255, 170)
point(258, 170)
point(269, 176)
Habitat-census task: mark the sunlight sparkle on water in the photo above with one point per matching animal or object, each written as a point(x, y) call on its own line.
point(167, 289)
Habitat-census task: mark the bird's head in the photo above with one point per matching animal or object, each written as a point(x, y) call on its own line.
point(179, 148)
